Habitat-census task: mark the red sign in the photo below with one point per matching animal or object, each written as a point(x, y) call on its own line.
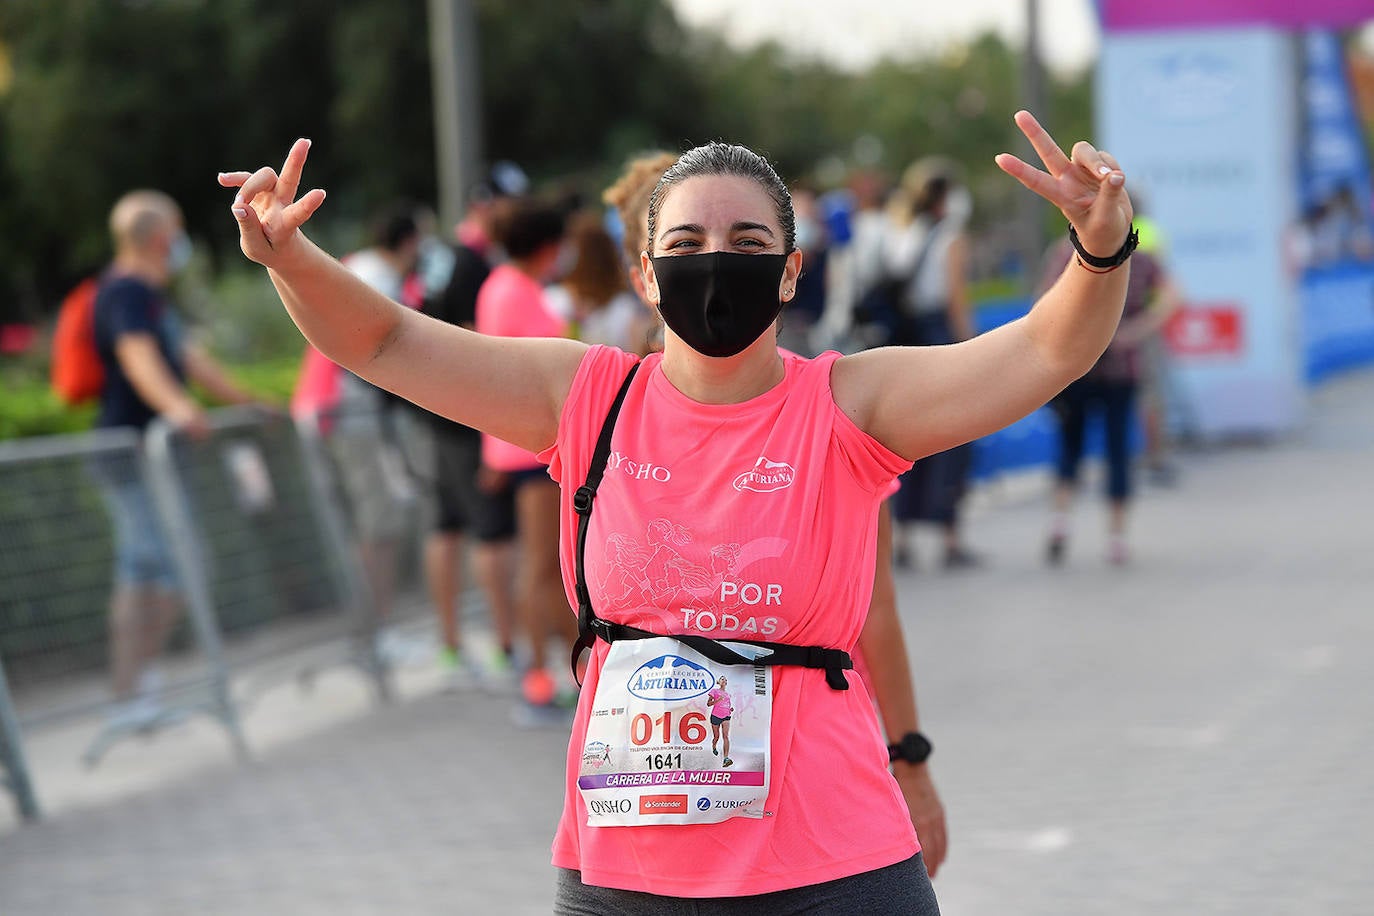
point(1205, 329)
point(662, 804)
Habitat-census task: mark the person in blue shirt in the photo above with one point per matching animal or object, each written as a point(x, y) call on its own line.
point(148, 363)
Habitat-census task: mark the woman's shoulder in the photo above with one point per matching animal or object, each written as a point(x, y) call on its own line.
point(600, 375)
point(597, 380)
point(814, 369)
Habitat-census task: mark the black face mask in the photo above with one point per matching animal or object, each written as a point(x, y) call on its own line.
point(721, 302)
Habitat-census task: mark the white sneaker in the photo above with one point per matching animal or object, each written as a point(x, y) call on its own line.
point(139, 714)
point(459, 673)
point(499, 673)
point(151, 682)
point(399, 649)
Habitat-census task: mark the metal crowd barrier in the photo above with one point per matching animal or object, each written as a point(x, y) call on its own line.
point(392, 449)
point(60, 497)
point(15, 774)
point(256, 518)
point(263, 556)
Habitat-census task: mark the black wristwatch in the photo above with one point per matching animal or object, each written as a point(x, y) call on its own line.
point(913, 747)
point(1116, 260)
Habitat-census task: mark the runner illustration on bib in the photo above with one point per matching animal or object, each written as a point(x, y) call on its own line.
point(721, 708)
point(646, 759)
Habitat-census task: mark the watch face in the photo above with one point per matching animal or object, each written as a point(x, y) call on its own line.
point(915, 747)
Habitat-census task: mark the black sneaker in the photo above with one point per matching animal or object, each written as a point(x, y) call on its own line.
point(962, 558)
point(1054, 550)
point(1163, 475)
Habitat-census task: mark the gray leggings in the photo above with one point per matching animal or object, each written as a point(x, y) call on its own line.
point(897, 890)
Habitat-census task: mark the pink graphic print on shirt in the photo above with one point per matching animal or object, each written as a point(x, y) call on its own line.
point(696, 586)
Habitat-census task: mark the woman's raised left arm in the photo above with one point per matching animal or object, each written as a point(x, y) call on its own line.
point(922, 400)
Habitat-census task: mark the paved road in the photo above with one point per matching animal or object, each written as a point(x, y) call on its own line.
point(1190, 734)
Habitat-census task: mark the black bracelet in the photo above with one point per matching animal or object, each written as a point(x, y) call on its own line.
point(1116, 260)
point(913, 747)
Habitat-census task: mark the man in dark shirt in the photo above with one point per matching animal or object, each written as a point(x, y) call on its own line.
point(147, 364)
point(467, 499)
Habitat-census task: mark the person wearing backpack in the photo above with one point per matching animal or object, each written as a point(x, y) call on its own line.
point(927, 254)
point(145, 364)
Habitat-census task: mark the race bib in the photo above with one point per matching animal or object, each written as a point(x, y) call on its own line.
point(668, 743)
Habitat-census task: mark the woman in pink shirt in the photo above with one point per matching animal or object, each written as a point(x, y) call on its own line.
point(719, 701)
point(782, 459)
point(882, 637)
point(511, 303)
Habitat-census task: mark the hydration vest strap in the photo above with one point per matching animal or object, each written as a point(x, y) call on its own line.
point(744, 652)
point(582, 505)
point(590, 627)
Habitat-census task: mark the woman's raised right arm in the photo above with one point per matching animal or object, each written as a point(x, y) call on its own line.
point(512, 388)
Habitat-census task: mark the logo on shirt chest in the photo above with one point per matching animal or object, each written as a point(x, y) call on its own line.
point(638, 470)
point(670, 678)
point(766, 476)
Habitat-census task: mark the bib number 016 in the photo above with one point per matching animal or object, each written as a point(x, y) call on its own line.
point(691, 728)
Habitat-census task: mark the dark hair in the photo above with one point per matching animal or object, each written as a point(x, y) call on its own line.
point(932, 195)
point(529, 226)
point(925, 187)
point(596, 276)
point(394, 226)
point(727, 159)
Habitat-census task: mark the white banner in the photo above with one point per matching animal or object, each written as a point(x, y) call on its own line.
point(1205, 124)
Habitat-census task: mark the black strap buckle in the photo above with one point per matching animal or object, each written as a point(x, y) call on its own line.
point(834, 661)
point(582, 500)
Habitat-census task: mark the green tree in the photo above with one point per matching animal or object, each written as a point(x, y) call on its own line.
point(108, 95)
point(568, 86)
point(78, 123)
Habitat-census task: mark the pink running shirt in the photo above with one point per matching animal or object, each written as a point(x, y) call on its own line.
point(754, 520)
point(719, 701)
point(510, 304)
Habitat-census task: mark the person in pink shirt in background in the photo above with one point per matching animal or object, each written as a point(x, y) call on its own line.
point(511, 303)
point(787, 458)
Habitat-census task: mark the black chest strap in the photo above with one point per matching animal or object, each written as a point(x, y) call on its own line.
point(590, 627)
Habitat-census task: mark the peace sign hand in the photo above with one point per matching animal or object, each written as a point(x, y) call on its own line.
point(268, 214)
point(1089, 188)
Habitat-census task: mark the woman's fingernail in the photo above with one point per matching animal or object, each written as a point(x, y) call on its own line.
point(238, 199)
point(1117, 180)
point(1103, 169)
point(240, 212)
